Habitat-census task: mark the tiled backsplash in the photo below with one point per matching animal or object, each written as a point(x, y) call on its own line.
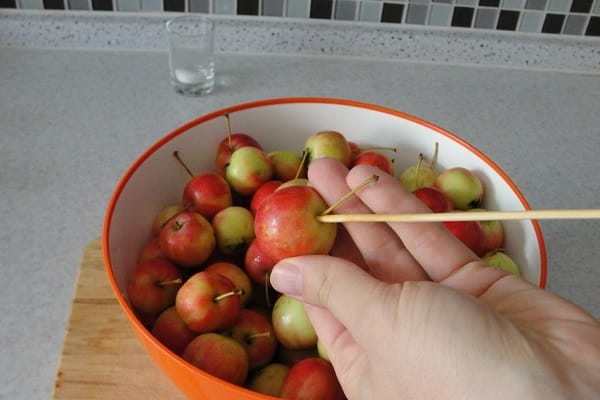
point(566, 17)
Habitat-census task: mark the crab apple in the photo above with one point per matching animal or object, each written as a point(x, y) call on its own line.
point(234, 229)
point(187, 239)
point(172, 332)
point(312, 379)
point(286, 224)
point(294, 182)
point(258, 264)
point(163, 216)
point(462, 187)
point(331, 144)
point(322, 351)
point(248, 168)
point(268, 379)
point(235, 274)
point(219, 355)
point(228, 145)
point(292, 325)
point(421, 174)
point(208, 301)
point(434, 199)
point(150, 250)
point(153, 285)
point(493, 234)
point(500, 259)
point(207, 193)
point(254, 331)
point(262, 193)
point(287, 165)
point(376, 159)
point(469, 233)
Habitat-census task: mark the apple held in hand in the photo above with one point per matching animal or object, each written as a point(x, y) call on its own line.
point(292, 325)
point(207, 302)
point(220, 356)
point(153, 285)
point(461, 186)
point(328, 144)
point(207, 193)
point(286, 225)
point(234, 230)
point(187, 239)
point(247, 170)
point(312, 379)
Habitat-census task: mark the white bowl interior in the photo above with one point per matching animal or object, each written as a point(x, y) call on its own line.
point(156, 179)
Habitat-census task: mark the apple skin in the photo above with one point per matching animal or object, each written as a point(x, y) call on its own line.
point(331, 144)
point(228, 145)
point(207, 193)
point(234, 230)
point(264, 191)
point(187, 239)
point(322, 351)
point(499, 259)
point(286, 225)
point(269, 379)
point(236, 275)
point(172, 332)
point(493, 234)
point(195, 302)
point(417, 176)
point(151, 250)
point(258, 264)
point(434, 199)
point(312, 379)
point(376, 159)
point(248, 168)
point(254, 331)
point(461, 186)
point(145, 291)
point(294, 182)
point(163, 216)
point(468, 232)
point(218, 355)
point(292, 325)
point(286, 165)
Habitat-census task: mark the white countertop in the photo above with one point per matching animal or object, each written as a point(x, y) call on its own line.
point(74, 118)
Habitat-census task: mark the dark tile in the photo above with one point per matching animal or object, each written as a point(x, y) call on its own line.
point(507, 20)
point(247, 7)
point(553, 23)
point(462, 17)
point(173, 5)
point(582, 6)
point(8, 4)
point(489, 3)
point(54, 4)
point(593, 28)
point(321, 9)
point(392, 12)
point(102, 5)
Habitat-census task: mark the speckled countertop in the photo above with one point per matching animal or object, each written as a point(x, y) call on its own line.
point(81, 96)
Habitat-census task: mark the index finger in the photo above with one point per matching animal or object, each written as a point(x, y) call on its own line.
point(438, 251)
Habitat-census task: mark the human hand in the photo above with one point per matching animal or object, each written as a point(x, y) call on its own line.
point(406, 311)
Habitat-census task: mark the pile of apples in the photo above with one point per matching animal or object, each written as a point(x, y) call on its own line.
point(201, 284)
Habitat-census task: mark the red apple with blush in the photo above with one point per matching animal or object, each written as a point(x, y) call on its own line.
point(248, 168)
point(376, 159)
point(235, 274)
point(151, 250)
point(286, 225)
point(172, 332)
point(264, 191)
point(493, 234)
point(269, 379)
point(228, 145)
point(258, 264)
point(328, 143)
point(188, 239)
point(312, 379)
point(254, 331)
point(220, 356)
point(434, 199)
point(163, 216)
point(469, 233)
point(207, 193)
point(153, 285)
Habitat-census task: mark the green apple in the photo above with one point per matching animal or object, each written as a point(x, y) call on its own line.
point(328, 144)
point(268, 380)
point(292, 325)
point(500, 259)
point(234, 229)
point(462, 186)
point(248, 168)
point(287, 165)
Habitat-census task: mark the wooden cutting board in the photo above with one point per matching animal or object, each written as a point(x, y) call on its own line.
point(101, 357)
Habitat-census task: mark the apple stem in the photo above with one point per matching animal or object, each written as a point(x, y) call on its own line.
point(234, 292)
point(372, 179)
point(250, 338)
point(228, 122)
point(170, 282)
point(176, 155)
point(435, 155)
point(419, 164)
point(302, 162)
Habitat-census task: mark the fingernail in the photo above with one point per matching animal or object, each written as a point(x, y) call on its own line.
point(286, 278)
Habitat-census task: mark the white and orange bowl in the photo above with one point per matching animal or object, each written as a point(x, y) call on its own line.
point(155, 179)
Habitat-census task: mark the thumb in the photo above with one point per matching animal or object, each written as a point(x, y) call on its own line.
point(345, 290)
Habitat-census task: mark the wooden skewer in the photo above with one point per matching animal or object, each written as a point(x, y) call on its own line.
point(464, 216)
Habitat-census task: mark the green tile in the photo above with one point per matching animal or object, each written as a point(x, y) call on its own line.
point(531, 21)
point(370, 11)
point(561, 6)
point(298, 8)
point(440, 14)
